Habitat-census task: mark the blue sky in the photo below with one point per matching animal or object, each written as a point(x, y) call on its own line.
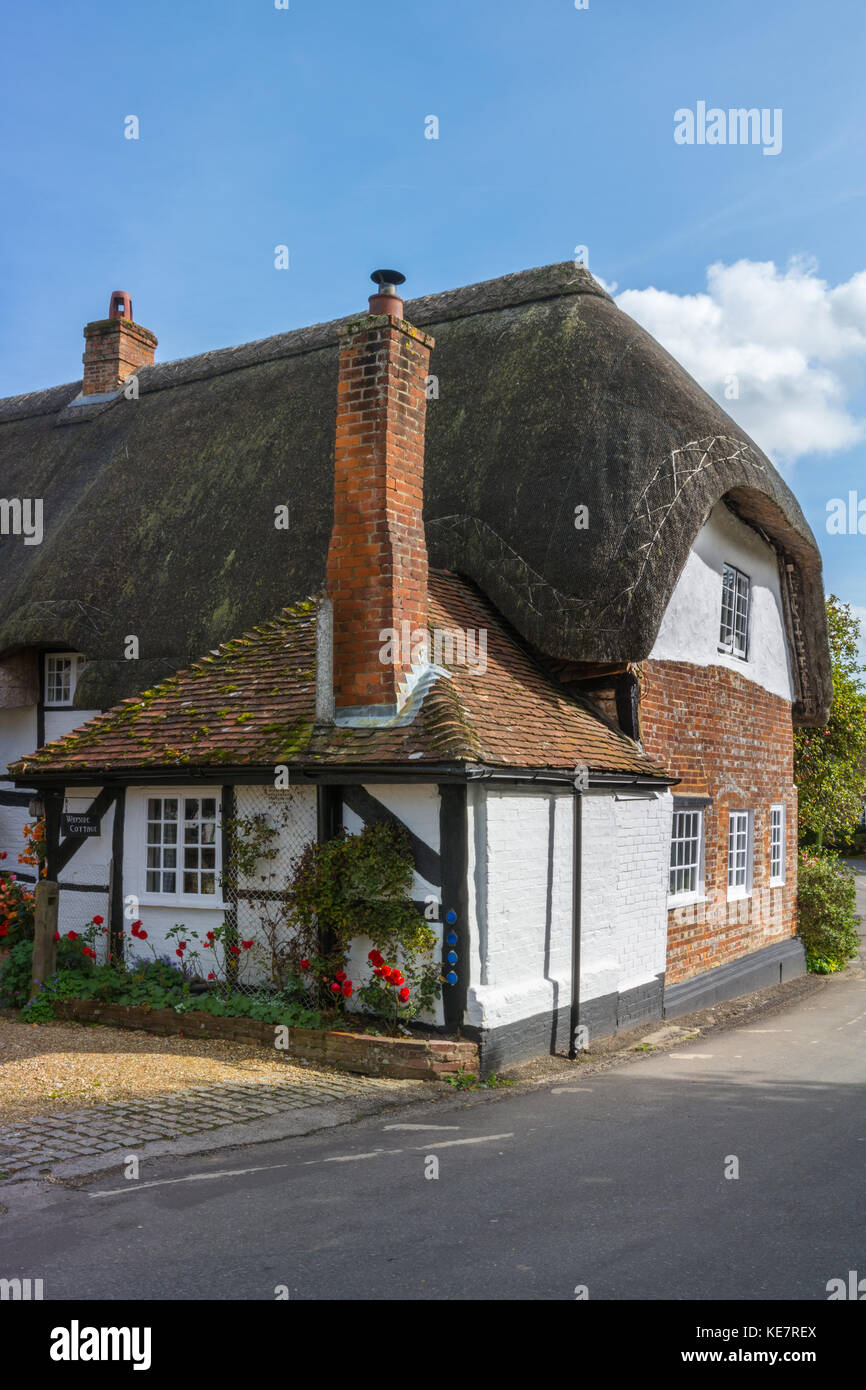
point(305, 127)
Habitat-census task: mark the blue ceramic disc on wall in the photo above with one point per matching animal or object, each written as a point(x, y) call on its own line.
point(451, 977)
point(451, 916)
point(451, 938)
point(452, 957)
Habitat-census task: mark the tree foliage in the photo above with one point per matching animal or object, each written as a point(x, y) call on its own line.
point(830, 763)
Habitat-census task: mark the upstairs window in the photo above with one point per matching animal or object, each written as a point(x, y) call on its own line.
point(62, 672)
point(734, 627)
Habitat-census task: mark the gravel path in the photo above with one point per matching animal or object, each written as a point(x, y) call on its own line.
point(47, 1067)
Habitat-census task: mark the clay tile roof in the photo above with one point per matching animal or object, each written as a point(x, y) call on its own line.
point(253, 705)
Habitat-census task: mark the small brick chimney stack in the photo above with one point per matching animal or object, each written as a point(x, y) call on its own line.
point(114, 348)
point(377, 558)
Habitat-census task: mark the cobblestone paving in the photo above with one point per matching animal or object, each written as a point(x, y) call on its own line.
point(37, 1145)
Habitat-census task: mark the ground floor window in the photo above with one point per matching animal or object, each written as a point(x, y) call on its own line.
point(182, 845)
point(777, 845)
point(739, 854)
point(687, 836)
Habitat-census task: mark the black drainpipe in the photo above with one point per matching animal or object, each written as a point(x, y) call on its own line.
point(580, 783)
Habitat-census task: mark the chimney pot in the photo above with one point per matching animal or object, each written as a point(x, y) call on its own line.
point(386, 300)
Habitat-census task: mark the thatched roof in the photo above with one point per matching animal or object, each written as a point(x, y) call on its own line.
point(252, 705)
point(159, 512)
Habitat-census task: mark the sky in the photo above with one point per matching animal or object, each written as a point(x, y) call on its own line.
point(558, 128)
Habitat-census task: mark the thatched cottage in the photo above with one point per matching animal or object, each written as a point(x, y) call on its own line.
point(489, 563)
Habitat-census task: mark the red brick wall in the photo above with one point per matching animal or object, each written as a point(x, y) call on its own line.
point(113, 350)
point(377, 558)
point(729, 739)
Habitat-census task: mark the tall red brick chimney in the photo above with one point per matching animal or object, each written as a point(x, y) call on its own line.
point(377, 558)
point(114, 348)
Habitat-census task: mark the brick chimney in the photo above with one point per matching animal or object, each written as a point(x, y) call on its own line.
point(377, 558)
point(115, 347)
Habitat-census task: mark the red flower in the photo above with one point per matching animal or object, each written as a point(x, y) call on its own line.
point(211, 976)
point(340, 976)
point(396, 977)
point(136, 924)
point(379, 971)
point(86, 951)
point(335, 989)
point(305, 965)
point(3, 854)
point(4, 930)
point(182, 945)
point(235, 950)
point(98, 921)
point(404, 995)
point(375, 958)
point(142, 936)
point(72, 936)
point(247, 944)
point(57, 936)
point(179, 952)
point(347, 989)
point(210, 935)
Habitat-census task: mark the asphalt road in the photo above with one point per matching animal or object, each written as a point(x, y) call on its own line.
point(614, 1181)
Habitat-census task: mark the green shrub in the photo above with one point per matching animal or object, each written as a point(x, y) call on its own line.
point(827, 920)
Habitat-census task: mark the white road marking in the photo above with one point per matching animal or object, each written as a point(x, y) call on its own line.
point(571, 1090)
point(353, 1158)
point(691, 1056)
point(420, 1126)
point(191, 1177)
point(451, 1143)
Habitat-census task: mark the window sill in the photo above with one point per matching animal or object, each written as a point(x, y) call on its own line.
point(738, 894)
point(686, 900)
point(777, 883)
point(177, 900)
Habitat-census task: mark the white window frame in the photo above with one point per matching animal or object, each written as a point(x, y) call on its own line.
point(77, 665)
point(777, 817)
point(734, 620)
point(137, 831)
point(745, 824)
point(696, 894)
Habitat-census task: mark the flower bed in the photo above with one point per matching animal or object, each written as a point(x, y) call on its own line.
point(403, 1058)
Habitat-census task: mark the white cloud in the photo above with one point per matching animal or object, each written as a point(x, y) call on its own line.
point(794, 343)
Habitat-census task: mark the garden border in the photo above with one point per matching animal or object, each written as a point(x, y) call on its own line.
point(414, 1059)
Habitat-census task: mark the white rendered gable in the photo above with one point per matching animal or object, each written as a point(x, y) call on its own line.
point(689, 630)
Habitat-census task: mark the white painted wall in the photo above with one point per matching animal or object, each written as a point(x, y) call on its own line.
point(626, 858)
point(521, 907)
point(418, 808)
point(521, 898)
point(689, 630)
point(18, 738)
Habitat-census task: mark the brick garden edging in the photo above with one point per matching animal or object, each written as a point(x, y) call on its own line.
point(414, 1059)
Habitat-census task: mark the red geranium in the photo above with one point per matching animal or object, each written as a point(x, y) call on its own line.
point(86, 951)
point(98, 921)
point(404, 995)
point(305, 964)
point(375, 958)
point(211, 976)
point(235, 950)
point(335, 989)
point(179, 952)
point(142, 936)
point(347, 989)
point(72, 936)
point(340, 976)
point(247, 944)
point(57, 936)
